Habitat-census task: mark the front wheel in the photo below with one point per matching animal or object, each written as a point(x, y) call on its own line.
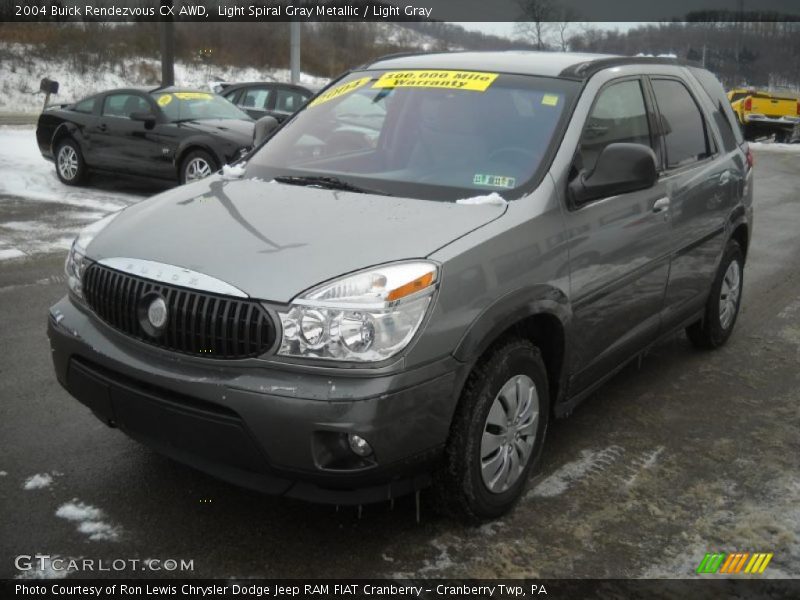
point(497, 434)
point(722, 306)
point(197, 165)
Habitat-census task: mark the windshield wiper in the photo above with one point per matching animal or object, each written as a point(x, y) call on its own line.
point(327, 182)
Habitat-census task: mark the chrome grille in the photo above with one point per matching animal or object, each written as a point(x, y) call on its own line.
point(198, 323)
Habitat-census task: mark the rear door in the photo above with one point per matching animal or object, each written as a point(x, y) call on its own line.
point(702, 180)
point(619, 246)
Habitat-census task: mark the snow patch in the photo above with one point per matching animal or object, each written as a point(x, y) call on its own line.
point(233, 172)
point(769, 147)
point(3, 473)
point(38, 481)
point(561, 480)
point(494, 199)
point(89, 520)
point(7, 253)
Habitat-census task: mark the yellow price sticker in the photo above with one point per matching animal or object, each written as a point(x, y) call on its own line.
point(452, 80)
point(340, 90)
point(193, 96)
point(164, 100)
point(550, 100)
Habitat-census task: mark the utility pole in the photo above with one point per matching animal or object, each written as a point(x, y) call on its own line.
point(294, 50)
point(167, 27)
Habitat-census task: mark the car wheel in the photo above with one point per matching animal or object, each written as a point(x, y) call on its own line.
point(70, 166)
point(197, 165)
point(497, 434)
point(722, 307)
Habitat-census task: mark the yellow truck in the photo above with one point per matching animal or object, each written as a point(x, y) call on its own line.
point(763, 113)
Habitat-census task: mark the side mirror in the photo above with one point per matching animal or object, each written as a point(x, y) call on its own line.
point(149, 119)
point(620, 169)
point(264, 128)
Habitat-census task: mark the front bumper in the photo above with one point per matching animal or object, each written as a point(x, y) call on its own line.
point(256, 425)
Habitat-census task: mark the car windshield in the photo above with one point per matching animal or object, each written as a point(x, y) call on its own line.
point(423, 133)
point(193, 106)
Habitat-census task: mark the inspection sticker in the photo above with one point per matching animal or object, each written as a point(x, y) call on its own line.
point(164, 100)
point(193, 96)
point(550, 100)
point(494, 181)
point(340, 90)
point(455, 80)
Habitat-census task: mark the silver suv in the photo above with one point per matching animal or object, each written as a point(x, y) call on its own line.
point(420, 269)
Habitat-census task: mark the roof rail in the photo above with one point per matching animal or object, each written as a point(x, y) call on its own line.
point(586, 69)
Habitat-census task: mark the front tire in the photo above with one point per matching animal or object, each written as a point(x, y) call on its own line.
point(70, 166)
point(722, 306)
point(497, 434)
point(197, 165)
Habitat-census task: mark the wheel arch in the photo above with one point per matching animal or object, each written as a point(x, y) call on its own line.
point(541, 315)
point(192, 144)
point(66, 130)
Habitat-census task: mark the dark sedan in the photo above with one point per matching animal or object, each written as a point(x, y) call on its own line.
point(164, 133)
point(261, 99)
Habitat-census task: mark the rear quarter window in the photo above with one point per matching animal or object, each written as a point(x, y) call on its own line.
point(724, 117)
point(85, 106)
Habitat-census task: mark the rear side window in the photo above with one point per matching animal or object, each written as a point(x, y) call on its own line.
point(682, 123)
point(618, 116)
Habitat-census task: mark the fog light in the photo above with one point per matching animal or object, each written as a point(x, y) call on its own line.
point(359, 445)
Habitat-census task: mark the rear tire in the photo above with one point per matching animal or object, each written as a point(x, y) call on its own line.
point(495, 442)
point(724, 300)
point(70, 166)
point(197, 165)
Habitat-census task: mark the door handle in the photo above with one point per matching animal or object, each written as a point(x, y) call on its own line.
point(102, 127)
point(661, 205)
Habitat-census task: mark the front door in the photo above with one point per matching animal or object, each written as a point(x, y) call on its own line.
point(619, 246)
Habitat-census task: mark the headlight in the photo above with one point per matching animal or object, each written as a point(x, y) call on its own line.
point(365, 317)
point(76, 259)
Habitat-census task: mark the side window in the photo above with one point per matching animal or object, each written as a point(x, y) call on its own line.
point(122, 105)
point(618, 115)
point(288, 101)
point(682, 123)
point(85, 106)
point(255, 98)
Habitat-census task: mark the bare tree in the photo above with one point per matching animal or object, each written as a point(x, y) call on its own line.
point(536, 21)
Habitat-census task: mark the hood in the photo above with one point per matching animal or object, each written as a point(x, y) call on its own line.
point(273, 240)
point(236, 130)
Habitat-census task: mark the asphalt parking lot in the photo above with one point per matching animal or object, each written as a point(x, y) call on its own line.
point(691, 452)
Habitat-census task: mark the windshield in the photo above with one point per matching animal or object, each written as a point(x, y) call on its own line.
point(192, 106)
point(422, 133)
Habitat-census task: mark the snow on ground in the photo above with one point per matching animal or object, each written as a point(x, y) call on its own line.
point(38, 213)
point(770, 147)
point(20, 77)
point(89, 521)
point(38, 481)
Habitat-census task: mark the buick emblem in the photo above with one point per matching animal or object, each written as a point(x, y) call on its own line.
point(157, 313)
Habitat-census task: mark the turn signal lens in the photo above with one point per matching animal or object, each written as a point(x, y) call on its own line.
point(420, 283)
